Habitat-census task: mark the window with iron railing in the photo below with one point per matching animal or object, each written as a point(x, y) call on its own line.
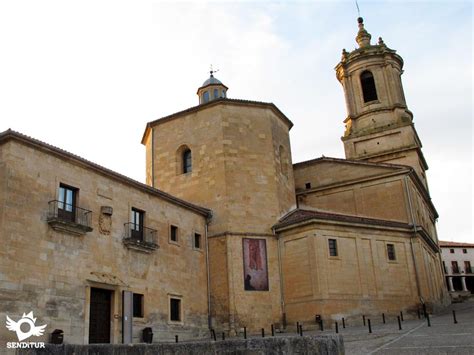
point(455, 267)
point(64, 214)
point(467, 267)
point(136, 235)
point(58, 211)
point(136, 224)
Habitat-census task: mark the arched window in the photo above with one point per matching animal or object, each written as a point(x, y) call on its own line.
point(216, 93)
point(187, 161)
point(205, 97)
point(368, 86)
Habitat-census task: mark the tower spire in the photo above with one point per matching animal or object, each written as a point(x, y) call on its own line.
point(363, 37)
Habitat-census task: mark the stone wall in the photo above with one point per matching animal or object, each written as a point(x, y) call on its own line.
point(306, 345)
point(51, 272)
point(360, 279)
point(241, 169)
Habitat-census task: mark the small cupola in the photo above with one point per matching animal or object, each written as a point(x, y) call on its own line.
point(211, 89)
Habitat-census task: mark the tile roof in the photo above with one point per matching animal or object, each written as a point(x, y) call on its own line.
point(11, 134)
point(443, 243)
point(300, 215)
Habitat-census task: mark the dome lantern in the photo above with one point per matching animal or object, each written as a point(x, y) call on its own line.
point(212, 89)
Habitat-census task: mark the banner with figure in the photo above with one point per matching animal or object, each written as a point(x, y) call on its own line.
point(255, 264)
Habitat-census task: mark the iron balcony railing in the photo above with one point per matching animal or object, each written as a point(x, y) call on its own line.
point(140, 235)
point(65, 212)
point(455, 270)
point(469, 270)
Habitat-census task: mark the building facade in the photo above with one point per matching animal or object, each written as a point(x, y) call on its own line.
point(92, 253)
point(458, 264)
point(102, 257)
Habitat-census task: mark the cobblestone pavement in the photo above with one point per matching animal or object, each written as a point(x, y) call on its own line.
point(443, 337)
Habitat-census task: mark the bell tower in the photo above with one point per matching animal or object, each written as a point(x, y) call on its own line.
point(379, 125)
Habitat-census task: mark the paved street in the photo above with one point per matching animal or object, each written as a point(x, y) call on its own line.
point(443, 337)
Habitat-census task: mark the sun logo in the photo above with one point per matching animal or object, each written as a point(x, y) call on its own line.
point(27, 318)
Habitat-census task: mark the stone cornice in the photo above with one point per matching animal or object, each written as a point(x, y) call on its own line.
point(381, 109)
point(240, 234)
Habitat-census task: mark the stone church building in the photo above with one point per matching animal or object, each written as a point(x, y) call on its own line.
point(227, 232)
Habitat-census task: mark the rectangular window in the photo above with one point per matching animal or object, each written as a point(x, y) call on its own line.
point(455, 267)
point(308, 185)
point(173, 233)
point(136, 223)
point(451, 251)
point(187, 161)
point(464, 251)
point(138, 305)
point(467, 267)
point(67, 202)
point(332, 247)
point(197, 241)
point(391, 252)
point(175, 309)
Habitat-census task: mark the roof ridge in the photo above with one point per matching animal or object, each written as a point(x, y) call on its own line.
point(306, 214)
point(351, 161)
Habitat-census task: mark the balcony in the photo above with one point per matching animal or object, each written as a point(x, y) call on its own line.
point(140, 238)
point(68, 218)
point(456, 270)
point(469, 270)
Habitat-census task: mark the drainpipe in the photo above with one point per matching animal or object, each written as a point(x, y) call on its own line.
point(282, 297)
point(209, 322)
point(412, 217)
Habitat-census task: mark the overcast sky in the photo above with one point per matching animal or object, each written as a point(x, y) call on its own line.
point(87, 76)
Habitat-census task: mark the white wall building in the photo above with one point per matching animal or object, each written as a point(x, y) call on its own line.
point(458, 263)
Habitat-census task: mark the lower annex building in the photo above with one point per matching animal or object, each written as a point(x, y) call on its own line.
point(458, 259)
point(227, 232)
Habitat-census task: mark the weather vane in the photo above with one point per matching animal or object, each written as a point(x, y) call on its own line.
point(358, 10)
point(212, 71)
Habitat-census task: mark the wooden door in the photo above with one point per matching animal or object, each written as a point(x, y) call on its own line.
point(99, 318)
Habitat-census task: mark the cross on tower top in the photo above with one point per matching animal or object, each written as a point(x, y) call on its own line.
point(212, 71)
